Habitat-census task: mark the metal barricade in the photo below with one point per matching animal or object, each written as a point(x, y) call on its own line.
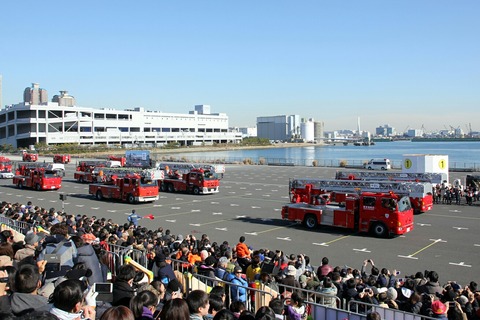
point(312, 296)
point(138, 256)
point(386, 313)
point(19, 226)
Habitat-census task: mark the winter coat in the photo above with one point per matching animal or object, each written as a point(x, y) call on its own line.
point(20, 302)
point(122, 293)
point(87, 255)
point(238, 293)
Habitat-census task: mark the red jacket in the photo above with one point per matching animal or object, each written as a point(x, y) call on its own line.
point(242, 250)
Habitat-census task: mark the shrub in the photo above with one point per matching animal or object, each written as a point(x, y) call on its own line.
point(315, 163)
point(343, 163)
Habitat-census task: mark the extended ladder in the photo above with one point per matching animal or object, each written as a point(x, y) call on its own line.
point(413, 189)
point(436, 178)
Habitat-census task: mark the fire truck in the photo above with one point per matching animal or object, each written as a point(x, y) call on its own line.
point(85, 171)
point(122, 160)
point(196, 181)
point(36, 176)
point(5, 164)
point(61, 158)
point(29, 156)
point(382, 214)
point(435, 178)
point(127, 186)
point(420, 193)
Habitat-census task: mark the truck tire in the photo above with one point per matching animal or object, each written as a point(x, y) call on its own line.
point(383, 168)
point(99, 195)
point(131, 198)
point(38, 187)
point(310, 221)
point(81, 179)
point(170, 187)
point(20, 185)
point(379, 230)
point(163, 187)
point(369, 168)
point(196, 191)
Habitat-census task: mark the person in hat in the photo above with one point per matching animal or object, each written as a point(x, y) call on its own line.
point(31, 244)
point(439, 309)
point(238, 293)
point(133, 218)
point(162, 270)
point(289, 279)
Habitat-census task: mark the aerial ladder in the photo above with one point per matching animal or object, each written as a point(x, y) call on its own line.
point(435, 178)
point(107, 174)
point(420, 193)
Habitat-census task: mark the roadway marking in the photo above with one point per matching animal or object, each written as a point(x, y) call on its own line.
point(326, 244)
point(195, 210)
point(172, 221)
point(248, 194)
point(158, 205)
point(320, 244)
point(232, 192)
point(214, 202)
point(178, 199)
point(175, 208)
point(424, 224)
point(460, 264)
point(207, 223)
point(80, 205)
point(239, 217)
point(460, 228)
point(455, 210)
point(284, 239)
point(116, 211)
point(94, 208)
point(411, 256)
point(254, 207)
point(362, 250)
point(221, 229)
point(216, 213)
point(273, 229)
point(277, 209)
point(252, 233)
point(266, 219)
point(476, 245)
point(265, 195)
point(233, 205)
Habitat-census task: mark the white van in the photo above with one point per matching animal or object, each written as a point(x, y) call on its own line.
point(57, 167)
point(378, 164)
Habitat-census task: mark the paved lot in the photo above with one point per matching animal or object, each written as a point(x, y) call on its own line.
point(249, 204)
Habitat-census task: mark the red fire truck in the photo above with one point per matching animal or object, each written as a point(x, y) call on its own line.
point(36, 176)
point(131, 187)
point(381, 214)
point(5, 164)
point(122, 160)
point(29, 156)
point(61, 158)
point(85, 171)
point(420, 193)
point(196, 181)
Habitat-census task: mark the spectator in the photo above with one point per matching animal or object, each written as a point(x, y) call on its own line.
point(24, 298)
point(432, 286)
point(328, 293)
point(296, 310)
point(265, 313)
point(225, 314)
point(243, 253)
point(31, 243)
point(86, 254)
point(133, 218)
point(143, 305)
point(64, 249)
point(374, 316)
point(324, 269)
point(68, 301)
point(439, 309)
point(161, 269)
point(277, 307)
point(198, 304)
point(254, 269)
point(237, 307)
point(216, 304)
point(238, 289)
point(175, 309)
point(123, 289)
point(117, 313)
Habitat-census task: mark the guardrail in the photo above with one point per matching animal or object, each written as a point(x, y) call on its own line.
point(19, 226)
point(360, 307)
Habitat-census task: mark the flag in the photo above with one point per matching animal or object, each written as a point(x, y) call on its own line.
point(149, 216)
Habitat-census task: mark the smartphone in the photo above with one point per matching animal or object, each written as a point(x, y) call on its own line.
point(156, 314)
point(103, 287)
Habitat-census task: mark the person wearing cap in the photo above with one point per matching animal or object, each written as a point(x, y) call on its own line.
point(207, 270)
point(31, 243)
point(133, 218)
point(238, 293)
point(161, 269)
point(289, 279)
point(439, 309)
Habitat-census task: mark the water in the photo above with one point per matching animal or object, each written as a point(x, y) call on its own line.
point(460, 154)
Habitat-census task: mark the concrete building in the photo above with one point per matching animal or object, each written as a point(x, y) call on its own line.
point(307, 129)
point(385, 131)
point(36, 120)
point(282, 128)
point(247, 132)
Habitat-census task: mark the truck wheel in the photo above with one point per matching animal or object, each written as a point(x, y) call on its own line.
point(163, 187)
point(379, 230)
point(131, 198)
point(196, 191)
point(80, 180)
point(369, 168)
point(99, 195)
point(20, 185)
point(38, 187)
point(383, 168)
point(310, 221)
point(171, 188)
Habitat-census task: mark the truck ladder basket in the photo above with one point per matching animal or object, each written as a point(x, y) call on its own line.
point(92, 163)
point(364, 186)
point(377, 175)
point(32, 165)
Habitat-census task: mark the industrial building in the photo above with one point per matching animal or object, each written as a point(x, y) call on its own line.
point(289, 128)
point(60, 121)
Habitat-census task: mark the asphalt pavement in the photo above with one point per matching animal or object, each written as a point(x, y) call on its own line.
point(249, 204)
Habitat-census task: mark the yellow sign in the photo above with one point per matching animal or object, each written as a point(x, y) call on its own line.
point(442, 164)
point(408, 163)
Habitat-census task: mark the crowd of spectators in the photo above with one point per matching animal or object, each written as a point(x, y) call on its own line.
point(51, 271)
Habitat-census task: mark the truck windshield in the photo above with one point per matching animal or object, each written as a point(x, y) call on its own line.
point(50, 174)
point(404, 204)
point(147, 182)
point(209, 175)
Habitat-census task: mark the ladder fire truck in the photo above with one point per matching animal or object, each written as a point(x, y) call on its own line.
point(121, 159)
point(420, 193)
point(29, 156)
point(61, 158)
point(36, 176)
point(127, 185)
point(85, 170)
point(194, 180)
point(435, 178)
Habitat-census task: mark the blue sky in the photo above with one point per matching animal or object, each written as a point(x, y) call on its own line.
point(403, 63)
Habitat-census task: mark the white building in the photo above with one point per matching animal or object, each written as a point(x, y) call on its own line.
point(307, 129)
point(61, 122)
